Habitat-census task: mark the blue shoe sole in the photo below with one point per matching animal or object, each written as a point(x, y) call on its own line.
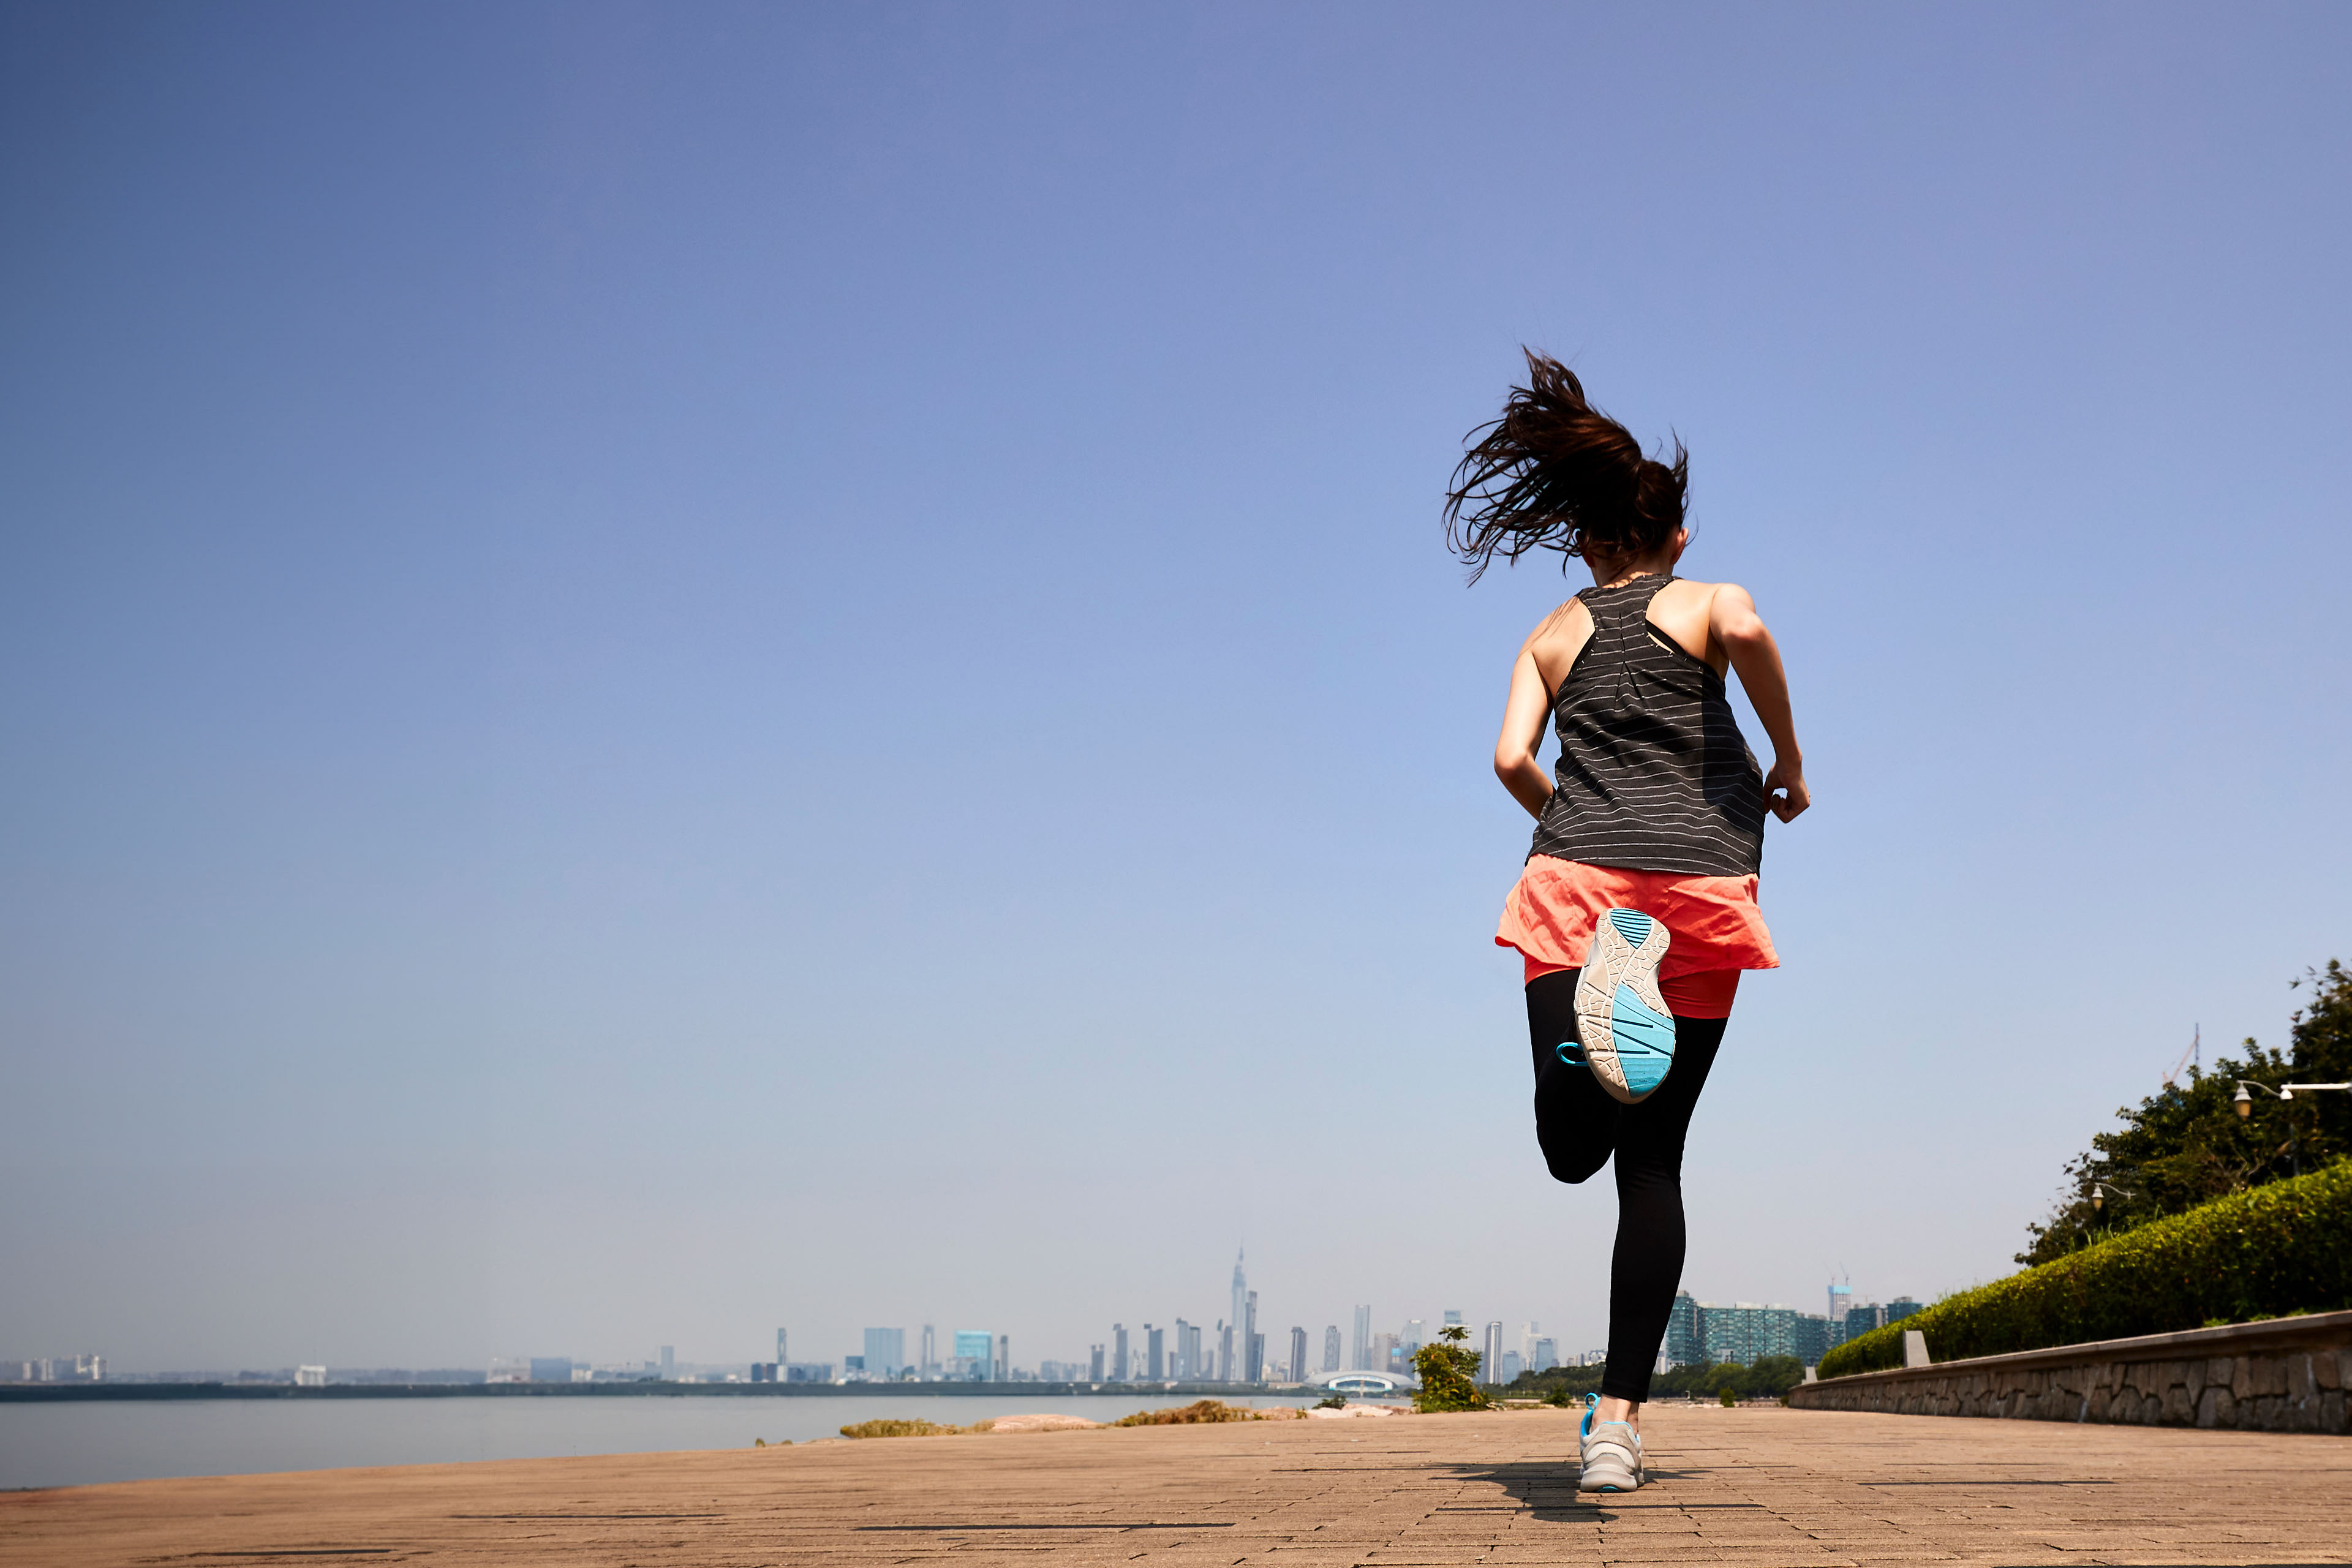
point(1627, 1033)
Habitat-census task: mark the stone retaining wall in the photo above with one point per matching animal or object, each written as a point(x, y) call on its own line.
point(2282, 1375)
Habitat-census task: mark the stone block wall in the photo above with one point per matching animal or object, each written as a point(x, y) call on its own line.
point(2284, 1374)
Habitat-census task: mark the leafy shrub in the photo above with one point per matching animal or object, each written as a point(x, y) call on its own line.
point(1730, 1399)
point(1449, 1373)
point(1200, 1411)
point(2273, 1250)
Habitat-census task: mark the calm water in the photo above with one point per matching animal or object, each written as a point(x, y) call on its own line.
point(76, 1445)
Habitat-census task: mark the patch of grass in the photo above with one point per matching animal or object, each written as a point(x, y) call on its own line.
point(1200, 1412)
point(910, 1429)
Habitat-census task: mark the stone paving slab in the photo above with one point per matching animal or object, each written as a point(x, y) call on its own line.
point(1756, 1488)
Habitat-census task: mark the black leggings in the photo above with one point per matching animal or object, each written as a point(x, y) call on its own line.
point(1578, 1126)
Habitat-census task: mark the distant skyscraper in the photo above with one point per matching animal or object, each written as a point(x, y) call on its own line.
point(1095, 1363)
point(1360, 1349)
point(1256, 1373)
point(1225, 1370)
point(1384, 1354)
point(1298, 1372)
point(1003, 1373)
point(1417, 1334)
point(1840, 1298)
point(930, 1352)
point(1490, 1368)
point(886, 1354)
point(1683, 1346)
point(975, 1353)
point(1331, 1348)
point(1240, 1320)
point(1547, 1356)
point(1119, 1368)
point(668, 1363)
point(780, 1356)
point(1454, 1319)
point(1154, 1352)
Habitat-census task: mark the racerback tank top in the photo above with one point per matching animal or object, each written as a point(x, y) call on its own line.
point(1653, 773)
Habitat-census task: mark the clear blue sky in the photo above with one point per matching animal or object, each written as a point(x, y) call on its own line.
point(666, 670)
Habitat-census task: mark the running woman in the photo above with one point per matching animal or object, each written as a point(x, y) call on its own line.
point(1636, 909)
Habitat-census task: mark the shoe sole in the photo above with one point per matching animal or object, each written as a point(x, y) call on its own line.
point(1626, 1028)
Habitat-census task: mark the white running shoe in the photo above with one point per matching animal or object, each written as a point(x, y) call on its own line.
point(1626, 1027)
point(1609, 1457)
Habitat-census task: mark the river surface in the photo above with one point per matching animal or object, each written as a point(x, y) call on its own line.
point(72, 1444)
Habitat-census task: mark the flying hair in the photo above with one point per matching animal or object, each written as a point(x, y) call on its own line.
point(1556, 473)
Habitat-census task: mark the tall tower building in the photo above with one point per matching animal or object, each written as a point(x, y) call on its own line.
point(1256, 1370)
point(1239, 1319)
point(1331, 1348)
point(930, 1350)
point(1359, 1350)
point(1225, 1352)
point(1155, 1352)
point(1095, 1363)
point(1003, 1358)
point(1298, 1372)
point(780, 1356)
point(1490, 1369)
point(668, 1363)
point(1118, 1352)
point(1840, 1298)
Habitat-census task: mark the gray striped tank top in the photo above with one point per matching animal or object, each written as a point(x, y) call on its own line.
point(1654, 775)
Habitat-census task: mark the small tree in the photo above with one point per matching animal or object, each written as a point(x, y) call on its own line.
point(1449, 1373)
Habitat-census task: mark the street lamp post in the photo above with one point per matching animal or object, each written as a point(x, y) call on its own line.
point(2244, 1101)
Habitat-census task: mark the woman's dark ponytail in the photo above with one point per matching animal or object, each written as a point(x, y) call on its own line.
point(1556, 473)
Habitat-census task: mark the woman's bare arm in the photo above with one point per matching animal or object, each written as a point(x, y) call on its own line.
point(1733, 624)
point(1523, 728)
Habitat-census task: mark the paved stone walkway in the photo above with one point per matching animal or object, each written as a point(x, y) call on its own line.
point(1767, 1487)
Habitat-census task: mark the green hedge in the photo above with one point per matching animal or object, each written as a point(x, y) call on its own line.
point(2284, 1248)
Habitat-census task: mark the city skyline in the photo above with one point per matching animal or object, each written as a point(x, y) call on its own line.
point(1176, 1345)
